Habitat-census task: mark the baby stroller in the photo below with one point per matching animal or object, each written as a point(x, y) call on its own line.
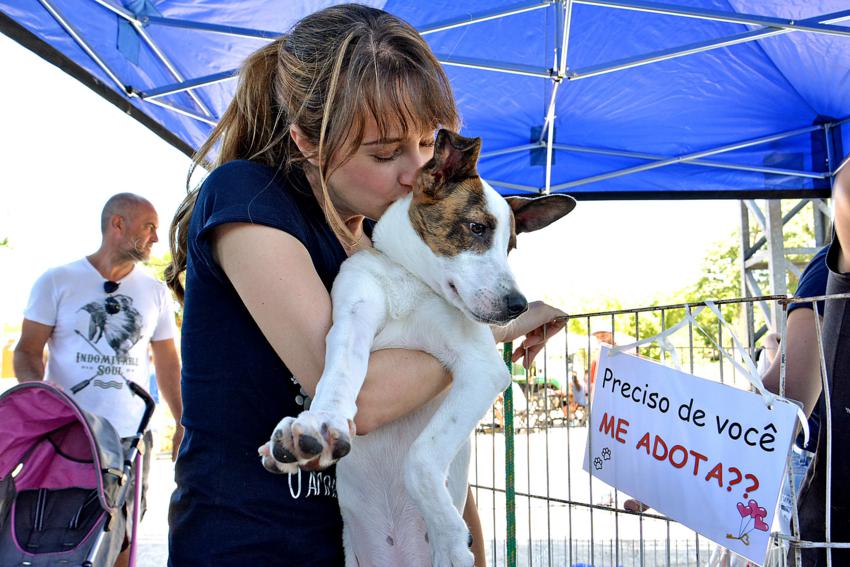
point(64, 478)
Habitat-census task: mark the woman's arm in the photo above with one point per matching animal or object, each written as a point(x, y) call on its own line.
point(473, 522)
point(274, 276)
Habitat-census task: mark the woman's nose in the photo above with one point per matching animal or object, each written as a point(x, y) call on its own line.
point(408, 174)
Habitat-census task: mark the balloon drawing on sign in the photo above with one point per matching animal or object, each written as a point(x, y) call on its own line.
point(752, 487)
point(737, 479)
point(756, 513)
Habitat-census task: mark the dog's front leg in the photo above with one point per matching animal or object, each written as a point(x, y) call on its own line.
point(322, 435)
point(475, 385)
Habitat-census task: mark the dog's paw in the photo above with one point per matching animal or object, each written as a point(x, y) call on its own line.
point(450, 545)
point(456, 555)
point(324, 435)
point(313, 441)
point(272, 465)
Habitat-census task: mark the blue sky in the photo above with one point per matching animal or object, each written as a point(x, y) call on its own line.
point(65, 151)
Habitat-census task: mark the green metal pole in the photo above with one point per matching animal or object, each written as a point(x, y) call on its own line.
point(510, 488)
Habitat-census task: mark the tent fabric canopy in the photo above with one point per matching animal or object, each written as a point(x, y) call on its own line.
point(686, 99)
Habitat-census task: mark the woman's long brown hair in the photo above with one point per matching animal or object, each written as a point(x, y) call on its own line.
point(328, 75)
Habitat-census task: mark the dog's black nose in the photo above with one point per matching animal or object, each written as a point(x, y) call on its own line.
point(516, 303)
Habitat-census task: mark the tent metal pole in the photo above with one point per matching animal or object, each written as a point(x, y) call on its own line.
point(556, 84)
point(511, 150)
point(561, 66)
point(565, 40)
point(718, 16)
point(656, 157)
point(515, 186)
point(484, 16)
point(487, 65)
point(687, 157)
point(77, 37)
point(702, 163)
point(168, 65)
point(187, 24)
point(121, 12)
point(174, 88)
point(550, 135)
point(179, 110)
point(215, 28)
point(693, 48)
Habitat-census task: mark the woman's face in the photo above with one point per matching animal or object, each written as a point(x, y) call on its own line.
point(379, 172)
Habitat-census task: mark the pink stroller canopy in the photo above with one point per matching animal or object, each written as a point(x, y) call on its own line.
point(60, 445)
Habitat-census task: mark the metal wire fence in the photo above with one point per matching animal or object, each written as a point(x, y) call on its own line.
point(540, 508)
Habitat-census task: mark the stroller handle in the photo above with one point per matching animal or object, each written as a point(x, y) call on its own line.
point(150, 405)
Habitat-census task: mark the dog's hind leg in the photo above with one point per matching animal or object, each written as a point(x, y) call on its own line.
point(478, 379)
point(322, 435)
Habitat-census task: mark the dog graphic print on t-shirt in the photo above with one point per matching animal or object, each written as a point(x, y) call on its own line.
point(116, 321)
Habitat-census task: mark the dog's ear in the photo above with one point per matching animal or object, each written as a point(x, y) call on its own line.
point(534, 213)
point(455, 157)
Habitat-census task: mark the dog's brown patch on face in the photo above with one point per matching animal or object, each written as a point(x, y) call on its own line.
point(512, 239)
point(453, 219)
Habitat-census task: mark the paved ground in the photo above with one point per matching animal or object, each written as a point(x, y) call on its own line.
point(153, 531)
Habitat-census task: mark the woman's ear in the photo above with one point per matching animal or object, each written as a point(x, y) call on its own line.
point(307, 149)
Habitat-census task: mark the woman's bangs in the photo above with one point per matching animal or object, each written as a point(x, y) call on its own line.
point(410, 103)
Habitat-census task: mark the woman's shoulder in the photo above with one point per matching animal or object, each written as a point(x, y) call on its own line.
point(250, 192)
point(241, 173)
point(244, 181)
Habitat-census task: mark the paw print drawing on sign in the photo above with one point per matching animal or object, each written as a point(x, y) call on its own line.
point(597, 463)
point(606, 454)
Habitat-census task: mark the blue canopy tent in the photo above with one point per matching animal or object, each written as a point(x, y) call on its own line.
point(604, 99)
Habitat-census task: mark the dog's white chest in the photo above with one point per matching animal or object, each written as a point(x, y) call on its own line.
point(417, 318)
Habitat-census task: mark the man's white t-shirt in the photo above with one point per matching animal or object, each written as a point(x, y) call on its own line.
point(100, 339)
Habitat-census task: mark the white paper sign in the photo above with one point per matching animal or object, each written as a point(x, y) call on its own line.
point(710, 456)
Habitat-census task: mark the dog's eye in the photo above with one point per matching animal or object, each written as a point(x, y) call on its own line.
point(477, 228)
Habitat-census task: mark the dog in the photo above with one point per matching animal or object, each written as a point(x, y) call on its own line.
point(435, 281)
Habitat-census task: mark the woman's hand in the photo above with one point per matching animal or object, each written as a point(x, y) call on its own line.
point(539, 323)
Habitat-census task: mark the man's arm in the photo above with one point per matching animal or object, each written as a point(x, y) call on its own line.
point(802, 361)
point(29, 352)
point(167, 364)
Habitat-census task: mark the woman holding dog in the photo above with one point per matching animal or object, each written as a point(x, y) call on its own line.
point(328, 126)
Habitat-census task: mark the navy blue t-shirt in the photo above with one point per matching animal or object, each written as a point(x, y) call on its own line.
point(812, 284)
point(813, 281)
point(227, 509)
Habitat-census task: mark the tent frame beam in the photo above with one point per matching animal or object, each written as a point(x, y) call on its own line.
point(721, 16)
point(82, 43)
point(692, 156)
point(559, 71)
point(699, 47)
point(655, 157)
point(485, 16)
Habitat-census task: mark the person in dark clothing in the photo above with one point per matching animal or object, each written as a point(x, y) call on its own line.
point(329, 124)
point(813, 505)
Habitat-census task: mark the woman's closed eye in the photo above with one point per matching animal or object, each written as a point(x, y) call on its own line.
point(386, 157)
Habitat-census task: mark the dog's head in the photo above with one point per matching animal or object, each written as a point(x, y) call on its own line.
point(469, 229)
